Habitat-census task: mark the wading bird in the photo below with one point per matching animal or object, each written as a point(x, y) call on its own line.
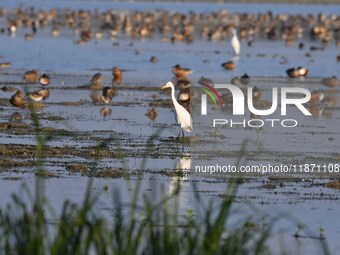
point(44, 80)
point(230, 65)
point(181, 72)
point(30, 76)
point(183, 116)
point(117, 76)
point(17, 100)
point(235, 43)
point(35, 96)
point(97, 78)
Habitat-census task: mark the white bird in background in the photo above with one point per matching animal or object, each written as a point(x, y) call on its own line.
point(235, 43)
point(183, 116)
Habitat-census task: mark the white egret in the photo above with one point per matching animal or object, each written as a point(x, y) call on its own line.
point(235, 43)
point(183, 116)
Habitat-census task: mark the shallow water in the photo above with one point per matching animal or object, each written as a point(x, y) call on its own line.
point(71, 66)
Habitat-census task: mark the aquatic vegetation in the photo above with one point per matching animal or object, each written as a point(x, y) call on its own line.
point(79, 230)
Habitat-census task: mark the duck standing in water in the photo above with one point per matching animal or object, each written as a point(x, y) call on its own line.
point(330, 82)
point(184, 90)
point(245, 79)
point(292, 73)
point(97, 78)
point(303, 72)
point(35, 96)
point(108, 93)
point(297, 72)
point(117, 76)
point(30, 76)
point(229, 65)
point(44, 92)
point(44, 80)
point(181, 72)
point(16, 100)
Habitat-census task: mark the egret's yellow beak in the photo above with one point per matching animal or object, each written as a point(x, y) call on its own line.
point(165, 86)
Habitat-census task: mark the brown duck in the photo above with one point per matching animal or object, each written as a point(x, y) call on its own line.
point(117, 75)
point(229, 65)
point(44, 80)
point(181, 72)
point(97, 78)
point(30, 76)
point(17, 100)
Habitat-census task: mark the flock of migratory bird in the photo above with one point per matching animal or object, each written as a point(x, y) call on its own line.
point(174, 27)
point(31, 77)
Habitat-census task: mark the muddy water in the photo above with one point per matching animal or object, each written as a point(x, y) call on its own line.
point(77, 125)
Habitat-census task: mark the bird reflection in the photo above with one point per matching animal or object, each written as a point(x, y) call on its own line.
point(16, 116)
point(320, 105)
point(179, 183)
point(105, 111)
point(235, 60)
point(315, 110)
point(95, 96)
point(183, 163)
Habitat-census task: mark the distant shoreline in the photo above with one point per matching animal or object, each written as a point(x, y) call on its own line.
point(321, 2)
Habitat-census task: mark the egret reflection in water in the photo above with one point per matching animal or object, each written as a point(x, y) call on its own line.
point(179, 183)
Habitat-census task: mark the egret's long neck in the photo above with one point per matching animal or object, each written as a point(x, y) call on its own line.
point(172, 93)
point(174, 101)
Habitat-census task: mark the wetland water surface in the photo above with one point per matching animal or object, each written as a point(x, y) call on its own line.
point(77, 124)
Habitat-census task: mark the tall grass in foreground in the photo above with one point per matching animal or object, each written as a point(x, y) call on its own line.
point(146, 229)
point(80, 231)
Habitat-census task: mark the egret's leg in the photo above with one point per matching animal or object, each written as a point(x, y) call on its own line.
point(179, 134)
